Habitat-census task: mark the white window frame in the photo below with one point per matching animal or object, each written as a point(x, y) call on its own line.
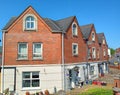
point(41, 54)
point(104, 52)
point(74, 44)
point(23, 53)
point(92, 70)
point(103, 41)
point(25, 24)
point(93, 36)
point(74, 32)
point(93, 52)
point(31, 79)
point(89, 53)
point(98, 54)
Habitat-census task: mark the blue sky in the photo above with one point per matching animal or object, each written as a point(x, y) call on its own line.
point(105, 14)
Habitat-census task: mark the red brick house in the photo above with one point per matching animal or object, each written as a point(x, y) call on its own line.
point(40, 53)
point(104, 51)
point(93, 49)
point(91, 40)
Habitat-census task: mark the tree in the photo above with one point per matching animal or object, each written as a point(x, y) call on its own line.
point(112, 51)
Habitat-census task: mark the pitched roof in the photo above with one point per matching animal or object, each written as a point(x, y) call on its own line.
point(56, 26)
point(9, 23)
point(86, 29)
point(65, 23)
point(52, 24)
point(100, 37)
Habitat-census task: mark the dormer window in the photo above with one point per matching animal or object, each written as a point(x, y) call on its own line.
point(93, 36)
point(30, 22)
point(74, 29)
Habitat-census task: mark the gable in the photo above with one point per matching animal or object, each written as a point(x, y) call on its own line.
point(100, 38)
point(15, 20)
point(86, 30)
point(93, 31)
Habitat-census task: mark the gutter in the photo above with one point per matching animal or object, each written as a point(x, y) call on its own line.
point(63, 64)
point(2, 77)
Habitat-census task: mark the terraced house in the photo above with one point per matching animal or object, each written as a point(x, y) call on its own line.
point(97, 51)
point(41, 53)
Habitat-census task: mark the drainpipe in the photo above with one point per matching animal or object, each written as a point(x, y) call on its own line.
point(2, 77)
point(63, 65)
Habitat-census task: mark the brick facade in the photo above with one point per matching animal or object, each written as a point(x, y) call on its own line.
point(51, 42)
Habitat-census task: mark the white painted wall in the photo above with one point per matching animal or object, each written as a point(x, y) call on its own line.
point(9, 78)
point(96, 74)
point(50, 77)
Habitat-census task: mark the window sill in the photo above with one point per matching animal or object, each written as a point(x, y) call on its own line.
point(30, 30)
point(30, 88)
point(75, 35)
point(22, 59)
point(40, 59)
point(76, 55)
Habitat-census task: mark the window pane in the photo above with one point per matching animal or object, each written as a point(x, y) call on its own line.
point(35, 75)
point(37, 51)
point(28, 24)
point(35, 83)
point(74, 29)
point(28, 18)
point(22, 51)
point(26, 83)
point(30, 79)
point(26, 75)
point(37, 48)
point(22, 48)
point(32, 18)
point(32, 25)
point(75, 49)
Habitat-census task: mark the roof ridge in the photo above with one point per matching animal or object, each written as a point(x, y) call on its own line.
point(65, 18)
point(87, 25)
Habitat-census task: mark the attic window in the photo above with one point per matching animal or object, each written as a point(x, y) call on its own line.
point(74, 29)
point(103, 41)
point(30, 22)
point(93, 36)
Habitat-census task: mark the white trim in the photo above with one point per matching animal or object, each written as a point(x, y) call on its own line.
point(93, 36)
point(24, 22)
point(40, 50)
point(76, 50)
point(42, 65)
point(2, 75)
point(19, 53)
point(31, 72)
point(76, 29)
point(104, 52)
point(63, 65)
point(93, 53)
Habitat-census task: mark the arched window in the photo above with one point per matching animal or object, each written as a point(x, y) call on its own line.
point(30, 22)
point(93, 36)
point(74, 29)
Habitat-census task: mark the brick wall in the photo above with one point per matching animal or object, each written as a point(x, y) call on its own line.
point(69, 39)
point(51, 42)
